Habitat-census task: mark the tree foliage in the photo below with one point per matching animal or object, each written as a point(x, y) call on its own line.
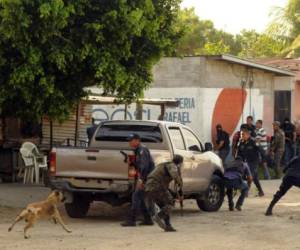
point(286, 27)
point(254, 45)
point(202, 38)
point(51, 49)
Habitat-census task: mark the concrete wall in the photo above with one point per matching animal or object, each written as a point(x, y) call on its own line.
point(296, 102)
point(206, 73)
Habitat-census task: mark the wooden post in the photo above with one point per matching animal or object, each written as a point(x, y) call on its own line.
point(51, 134)
point(3, 129)
point(125, 112)
point(77, 124)
point(139, 110)
point(162, 112)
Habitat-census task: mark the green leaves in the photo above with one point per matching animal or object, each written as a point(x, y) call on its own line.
point(255, 45)
point(286, 27)
point(202, 38)
point(51, 50)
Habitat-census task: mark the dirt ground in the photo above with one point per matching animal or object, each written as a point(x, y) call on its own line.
point(248, 229)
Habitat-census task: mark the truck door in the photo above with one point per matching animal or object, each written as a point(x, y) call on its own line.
point(201, 169)
point(179, 147)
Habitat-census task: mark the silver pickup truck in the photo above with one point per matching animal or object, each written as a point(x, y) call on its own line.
point(99, 172)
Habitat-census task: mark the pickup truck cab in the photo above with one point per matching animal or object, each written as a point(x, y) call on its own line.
point(99, 172)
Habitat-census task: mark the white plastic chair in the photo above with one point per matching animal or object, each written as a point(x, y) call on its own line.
point(29, 165)
point(32, 156)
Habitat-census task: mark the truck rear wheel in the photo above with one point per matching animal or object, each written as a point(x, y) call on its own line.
point(214, 196)
point(78, 208)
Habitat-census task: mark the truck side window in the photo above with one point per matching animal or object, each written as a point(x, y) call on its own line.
point(193, 143)
point(176, 138)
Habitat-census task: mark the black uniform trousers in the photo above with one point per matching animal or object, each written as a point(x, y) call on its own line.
point(254, 171)
point(287, 183)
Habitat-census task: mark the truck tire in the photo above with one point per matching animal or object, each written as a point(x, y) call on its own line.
point(214, 196)
point(78, 208)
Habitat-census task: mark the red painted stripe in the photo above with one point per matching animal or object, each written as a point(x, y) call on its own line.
point(228, 110)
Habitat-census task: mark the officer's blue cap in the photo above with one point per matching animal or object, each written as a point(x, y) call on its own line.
point(133, 137)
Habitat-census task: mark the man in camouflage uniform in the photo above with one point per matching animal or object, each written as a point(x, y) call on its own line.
point(157, 190)
point(277, 147)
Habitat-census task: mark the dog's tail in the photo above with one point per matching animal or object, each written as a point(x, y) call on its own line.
point(20, 217)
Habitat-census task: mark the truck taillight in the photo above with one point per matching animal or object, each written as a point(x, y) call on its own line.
point(52, 163)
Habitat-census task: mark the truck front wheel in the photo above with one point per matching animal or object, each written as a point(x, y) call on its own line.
point(214, 197)
point(78, 208)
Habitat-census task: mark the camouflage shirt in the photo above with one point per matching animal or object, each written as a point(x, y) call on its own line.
point(278, 142)
point(162, 176)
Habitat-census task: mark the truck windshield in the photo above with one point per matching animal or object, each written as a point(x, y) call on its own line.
point(120, 133)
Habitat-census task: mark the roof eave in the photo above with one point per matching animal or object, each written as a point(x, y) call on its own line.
point(233, 59)
point(105, 100)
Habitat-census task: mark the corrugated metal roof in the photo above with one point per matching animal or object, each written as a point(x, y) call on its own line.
point(66, 130)
point(237, 60)
point(291, 64)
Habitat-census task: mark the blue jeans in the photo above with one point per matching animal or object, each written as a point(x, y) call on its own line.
point(223, 153)
point(288, 153)
point(263, 163)
point(138, 203)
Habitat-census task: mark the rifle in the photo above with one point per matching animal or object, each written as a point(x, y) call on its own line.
point(178, 193)
point(181, 204)
point(125, 156)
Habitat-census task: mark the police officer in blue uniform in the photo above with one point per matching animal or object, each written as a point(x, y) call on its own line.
point(250, 153)
point(144, 165)
point(291, 178)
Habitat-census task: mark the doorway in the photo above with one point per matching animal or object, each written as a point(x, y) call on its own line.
point(282, 105)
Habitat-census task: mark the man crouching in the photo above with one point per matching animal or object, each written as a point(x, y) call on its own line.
point(235, 173)
point(157, 191)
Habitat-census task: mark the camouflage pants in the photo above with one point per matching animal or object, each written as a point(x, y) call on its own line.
point(163, 198)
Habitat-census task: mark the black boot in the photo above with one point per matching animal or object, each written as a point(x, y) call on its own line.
point(147, 221)
point(131, 220)
point(169, 227)
point(159, 219)
point(261, 193)
point(238, 207)
point(230, 199)
point(272, 204)
point(231, 206)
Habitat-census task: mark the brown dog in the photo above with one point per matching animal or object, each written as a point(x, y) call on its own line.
point(44, 209)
